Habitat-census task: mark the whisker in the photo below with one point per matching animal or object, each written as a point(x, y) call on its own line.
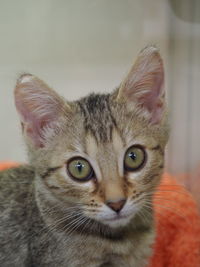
point(56, 224)
point(159, 191)
point(50, 228)
point(171, 210)
point(142, 216)
point(76, 224)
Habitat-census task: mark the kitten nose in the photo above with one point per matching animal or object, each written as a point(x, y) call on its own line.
point(116, 205)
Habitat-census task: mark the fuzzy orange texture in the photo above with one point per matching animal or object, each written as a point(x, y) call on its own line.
point(7, 164)
point(178, 225)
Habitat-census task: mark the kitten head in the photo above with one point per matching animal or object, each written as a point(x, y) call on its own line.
point(103, 155)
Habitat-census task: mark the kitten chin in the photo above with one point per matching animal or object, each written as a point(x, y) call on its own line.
point(117, 221)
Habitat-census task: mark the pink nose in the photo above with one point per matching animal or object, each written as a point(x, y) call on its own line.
point(116, 205)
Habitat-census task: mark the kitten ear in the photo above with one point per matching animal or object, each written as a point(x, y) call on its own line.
point(144, 84)
point(39, 108)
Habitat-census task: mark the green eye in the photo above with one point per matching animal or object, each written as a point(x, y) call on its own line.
point(80, 169)
point(134, 158)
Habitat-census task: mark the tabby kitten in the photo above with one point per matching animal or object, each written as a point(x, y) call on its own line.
point(85, 199)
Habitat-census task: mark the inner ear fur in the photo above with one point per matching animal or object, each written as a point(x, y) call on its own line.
point(144, 84)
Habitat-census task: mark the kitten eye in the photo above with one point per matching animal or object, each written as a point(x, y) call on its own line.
point(134, 158)
point(80, 169)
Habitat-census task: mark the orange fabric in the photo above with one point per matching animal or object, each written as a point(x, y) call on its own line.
point(178, 225)
point(7, 164)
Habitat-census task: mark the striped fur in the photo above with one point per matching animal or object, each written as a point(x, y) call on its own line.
point(50, 219)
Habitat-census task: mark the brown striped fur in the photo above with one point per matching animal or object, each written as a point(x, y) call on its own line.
point(47, 218)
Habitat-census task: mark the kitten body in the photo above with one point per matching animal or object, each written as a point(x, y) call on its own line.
point(50, 218)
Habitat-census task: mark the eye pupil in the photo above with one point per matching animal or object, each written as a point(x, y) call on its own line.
point(79, 166)
point(132, 155)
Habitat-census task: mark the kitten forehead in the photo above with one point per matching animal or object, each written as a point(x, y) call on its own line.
point(91, 146)
point(98, 118)
point(117, 141)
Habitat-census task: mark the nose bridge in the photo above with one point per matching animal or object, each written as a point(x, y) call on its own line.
point(111, 180)
point(114, 190)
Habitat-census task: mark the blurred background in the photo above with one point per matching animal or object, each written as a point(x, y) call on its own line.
point(79, 46)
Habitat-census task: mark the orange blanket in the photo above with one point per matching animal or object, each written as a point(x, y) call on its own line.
point(178, 226)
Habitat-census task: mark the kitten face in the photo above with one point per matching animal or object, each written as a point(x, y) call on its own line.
point(102, 155)
point(110, 181)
